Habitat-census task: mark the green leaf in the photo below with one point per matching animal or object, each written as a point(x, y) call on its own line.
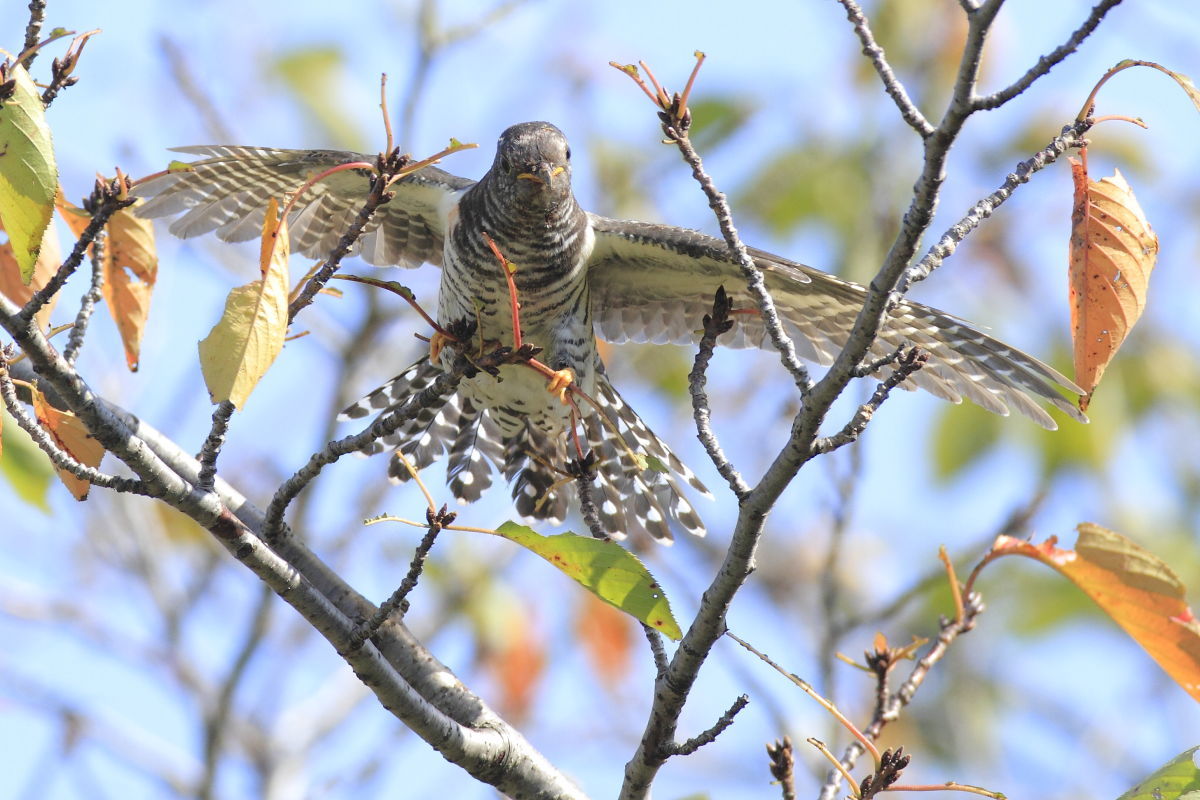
point(26, 467)
point(28, 176)
point(1175, 780)
point(606, 569)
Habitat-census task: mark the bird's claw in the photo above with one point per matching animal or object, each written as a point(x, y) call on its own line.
point(559, 383)
point(436, 343)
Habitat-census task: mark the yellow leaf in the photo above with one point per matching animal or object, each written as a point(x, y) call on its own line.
point(71, 435)
point(243, 344)
point(130, 270)
point(28, 175)
point(1112, 253)
point(1133, 587)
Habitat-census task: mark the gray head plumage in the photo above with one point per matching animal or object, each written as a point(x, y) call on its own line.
point(533, 164)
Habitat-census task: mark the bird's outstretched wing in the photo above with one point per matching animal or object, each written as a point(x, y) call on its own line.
point(654, 283)
point(227, 192)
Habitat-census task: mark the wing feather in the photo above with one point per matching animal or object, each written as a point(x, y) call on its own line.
point(655, 283)
point(227, 191)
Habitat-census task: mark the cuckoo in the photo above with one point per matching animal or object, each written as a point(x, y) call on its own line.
point(578, 275)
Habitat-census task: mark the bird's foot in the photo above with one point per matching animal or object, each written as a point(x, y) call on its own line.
point(559, 384)
point(436, 343)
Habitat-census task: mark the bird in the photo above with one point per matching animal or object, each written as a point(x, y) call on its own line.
point(578, 276)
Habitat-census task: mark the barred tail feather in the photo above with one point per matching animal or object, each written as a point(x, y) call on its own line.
point(632, 499)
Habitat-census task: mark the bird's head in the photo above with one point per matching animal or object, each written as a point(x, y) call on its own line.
point(533, 162)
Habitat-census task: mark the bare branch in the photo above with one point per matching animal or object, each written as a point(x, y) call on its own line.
point(1048, 61)
point(88, 304)
point(583, 471)
point(782, 766)
point(656, 649)
point(399, 598)
point(696, 742)
point(715, 324)
point(891, 84)
point(754, 278)
point(908, 362)
point(60, 457)
point(388, 166)
point(216, 725)
point(889, 705)
point(33, 29)
point(383, 425)
point(106, 199)
point(1070, 137)
point(213, 444)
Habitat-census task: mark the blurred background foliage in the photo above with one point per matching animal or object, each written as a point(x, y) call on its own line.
point(141, 663)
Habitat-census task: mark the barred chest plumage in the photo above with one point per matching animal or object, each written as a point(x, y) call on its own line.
point(548, 250)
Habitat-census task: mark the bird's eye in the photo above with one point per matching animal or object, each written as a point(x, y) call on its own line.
point(568, 154)
point(504, 164)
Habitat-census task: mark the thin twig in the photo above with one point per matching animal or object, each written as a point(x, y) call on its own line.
point(754, 277)
point(583, 470)
point(187, 84)
point(656, 649)
point(833, 616)
point(715, 324)
point(389, 422)
point(398, 601)
point(908, 362)
point(383, 425)
point(891, 84)
point(889, 710)
point(33, 29)
point(1048, 61)
point(61, 69)
point(213, 444)
point(807, 688)
point(60, 457)
point(216, 724)
point(387, 167)
point(782, 767)
point(88, 304)
point(696, 742)
point(106, 199)
point(1070, 137)
point(885, 775)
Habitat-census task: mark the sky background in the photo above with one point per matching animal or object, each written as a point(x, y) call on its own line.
point(791, 66)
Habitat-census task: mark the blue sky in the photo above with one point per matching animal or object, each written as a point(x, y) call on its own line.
point(548, 61)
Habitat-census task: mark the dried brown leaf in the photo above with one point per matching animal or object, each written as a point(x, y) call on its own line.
point(1113, 250)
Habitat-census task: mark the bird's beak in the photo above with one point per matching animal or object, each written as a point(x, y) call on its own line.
point(545, 175)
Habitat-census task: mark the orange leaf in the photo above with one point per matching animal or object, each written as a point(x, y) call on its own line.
point(1112, 253)
point(607, 637)
point(11, 285)
point(71, 435)
point(130, 270)
point(517, 662)
point(1135, 588)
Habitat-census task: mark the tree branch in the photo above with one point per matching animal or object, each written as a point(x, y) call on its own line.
point(715, 324)
point(891, 84)
point(88, 304)
point(1048, 61)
